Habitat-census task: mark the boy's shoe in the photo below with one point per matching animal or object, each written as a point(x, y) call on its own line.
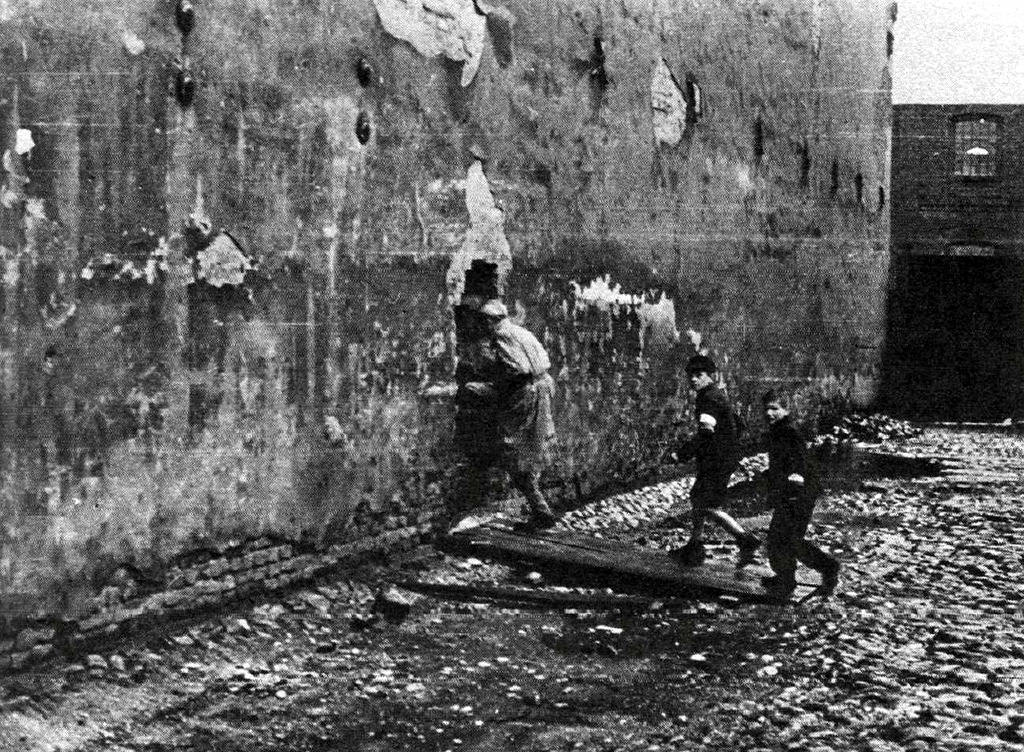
point(539, 519)
point(690, 555)
point(829, 579)
point(748, 543)
point(778, 586)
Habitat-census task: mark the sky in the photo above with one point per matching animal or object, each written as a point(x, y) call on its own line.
point(959, 51)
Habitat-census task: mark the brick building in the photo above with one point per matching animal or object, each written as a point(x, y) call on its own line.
point(956, 325)
point(223, 226)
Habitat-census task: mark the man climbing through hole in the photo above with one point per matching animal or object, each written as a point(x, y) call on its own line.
point(715, 447)
point(504, 407)
point(792, 492)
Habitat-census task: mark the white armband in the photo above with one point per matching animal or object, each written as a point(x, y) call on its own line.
point(796, 478)
point(707, 422)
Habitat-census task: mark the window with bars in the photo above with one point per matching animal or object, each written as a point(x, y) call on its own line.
point(974, 142)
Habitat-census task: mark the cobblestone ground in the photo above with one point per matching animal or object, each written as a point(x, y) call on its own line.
point(920, 649)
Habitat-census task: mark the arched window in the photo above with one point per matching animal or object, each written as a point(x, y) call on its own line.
point(975, 143)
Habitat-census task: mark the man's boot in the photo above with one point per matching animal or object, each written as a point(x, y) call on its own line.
point(748, 543)
point(690, 555)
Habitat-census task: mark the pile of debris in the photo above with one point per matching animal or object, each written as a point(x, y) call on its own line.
point(870, 428)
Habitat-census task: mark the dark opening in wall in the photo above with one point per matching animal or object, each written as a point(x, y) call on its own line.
point(598, 74)
point(694, 101)
point(185, 17)
point(758, 140)
point(835, 178)
point(481, 280)
point(364, 72)
point(858, 187)
point(363, 128)
point(805, 164)
point(881, 198)
point(890, 41)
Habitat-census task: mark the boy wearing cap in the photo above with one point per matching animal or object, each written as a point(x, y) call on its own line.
point(511, 378)
point(716, 450)
point(792, 492)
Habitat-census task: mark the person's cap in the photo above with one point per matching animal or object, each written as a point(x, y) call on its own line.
point(472, 302)
point(494, 309)
point(701, 363)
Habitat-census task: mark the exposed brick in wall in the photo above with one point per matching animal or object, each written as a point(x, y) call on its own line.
point(219, 240)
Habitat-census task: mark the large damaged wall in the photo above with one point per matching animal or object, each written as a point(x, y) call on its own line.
point(233, 233)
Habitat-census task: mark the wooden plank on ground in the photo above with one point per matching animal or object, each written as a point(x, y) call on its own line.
point(474, 591)
point(571, 553)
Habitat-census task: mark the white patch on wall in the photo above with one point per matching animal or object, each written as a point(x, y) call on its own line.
point(485, 237)
point(23, 141)
point(668, 105)
point(453, 28)
point(222, 262)
point(657, 317)
point(132, 44)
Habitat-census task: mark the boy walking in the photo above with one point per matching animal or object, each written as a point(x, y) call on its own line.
point(792, 492)
point(716, 450)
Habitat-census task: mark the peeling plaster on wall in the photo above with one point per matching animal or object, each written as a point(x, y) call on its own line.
point(668, 105)
point(222, 262)
point(133, 45)
point(485, 238)
point(756, 257)
point(657, 316)
point(453, 28)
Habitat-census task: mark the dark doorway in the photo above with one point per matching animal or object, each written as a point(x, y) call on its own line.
point(955, 346)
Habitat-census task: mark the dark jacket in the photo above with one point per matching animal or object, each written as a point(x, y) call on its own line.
point(788, 457)
point(715, 446)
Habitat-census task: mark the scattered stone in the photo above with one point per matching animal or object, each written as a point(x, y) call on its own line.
point(395, 603)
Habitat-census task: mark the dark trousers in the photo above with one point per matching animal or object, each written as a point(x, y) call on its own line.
point(786, 542)
point(474, 483)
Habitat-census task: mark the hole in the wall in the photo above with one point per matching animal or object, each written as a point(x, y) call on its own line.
point(694, 101)
point(481, 280)
point(185, 16)
point(363, 128)
point(184, 85)
point(364, 72)
point(805, 164)
point(890, 41)
point(598, 74)
point(758, 140)
point(881, 197)
point(858, 187)
point(893, 12)
point(834, 189)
